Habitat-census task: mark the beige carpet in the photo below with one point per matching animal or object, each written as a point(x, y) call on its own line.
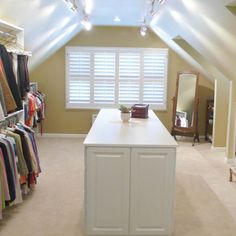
point(205, 200)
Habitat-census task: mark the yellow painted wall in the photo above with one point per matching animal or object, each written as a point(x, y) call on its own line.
point(50, 76)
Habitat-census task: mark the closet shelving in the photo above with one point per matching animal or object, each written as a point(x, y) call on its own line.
point(12, 37)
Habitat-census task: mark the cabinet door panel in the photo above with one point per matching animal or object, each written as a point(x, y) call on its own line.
point(107, 190)
point(152, 190)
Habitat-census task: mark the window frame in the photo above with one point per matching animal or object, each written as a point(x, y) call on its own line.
point(117, 50)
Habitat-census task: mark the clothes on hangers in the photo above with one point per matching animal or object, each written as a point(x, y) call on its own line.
point(10, 76)
point(2, 101)
point(19, 164)
point(8, 97)
point(36, 109)
point(23, 75)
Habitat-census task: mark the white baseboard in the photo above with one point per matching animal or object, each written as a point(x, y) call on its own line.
point(59, 135)
point(231, 161)
point(223, 149)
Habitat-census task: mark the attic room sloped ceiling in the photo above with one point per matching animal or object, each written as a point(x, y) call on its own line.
point(208, 26)
point(50, 24)
point(47, 25)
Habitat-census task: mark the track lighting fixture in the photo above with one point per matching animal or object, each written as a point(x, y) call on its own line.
point(143, 29)
point(86, 23)
point(72, 5)
point(155, 5)
point(86, 11)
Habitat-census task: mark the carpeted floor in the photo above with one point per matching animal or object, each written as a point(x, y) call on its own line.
point(205, 200)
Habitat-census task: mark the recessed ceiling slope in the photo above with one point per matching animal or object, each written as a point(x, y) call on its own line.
point(210, 30)
point(182, 52)
point(206, 66)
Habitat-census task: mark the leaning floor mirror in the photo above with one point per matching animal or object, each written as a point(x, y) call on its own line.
point(185, 105)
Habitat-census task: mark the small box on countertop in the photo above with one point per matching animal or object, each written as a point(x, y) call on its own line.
point(139, 111)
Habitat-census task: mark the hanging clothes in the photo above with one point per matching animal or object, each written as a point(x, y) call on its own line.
point(2, 101)
point(10, 144)
point(8, 97)
point(35, 110)
point(23, 170)
point(10, 178)
point(10, 76)
point(4, 193)
point(31, 110)
point(23, 75)
point(19, 164)
point(2, 116)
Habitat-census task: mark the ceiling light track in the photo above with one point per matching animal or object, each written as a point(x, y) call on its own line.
point(86, 10)
point(86, 23)
point(154, 8)
point(84, 7)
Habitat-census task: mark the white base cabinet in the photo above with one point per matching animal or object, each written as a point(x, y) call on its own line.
point(129, 191)
point(152, 191)
point(107, 191)
point(129, 176)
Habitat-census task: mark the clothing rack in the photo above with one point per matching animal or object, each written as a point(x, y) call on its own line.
point(17, 49)
point(33, 87)
point(10, 120)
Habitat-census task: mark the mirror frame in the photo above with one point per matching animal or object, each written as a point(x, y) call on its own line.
point(186, 131)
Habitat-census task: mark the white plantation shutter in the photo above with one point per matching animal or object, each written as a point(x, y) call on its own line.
point(104, 77)
point(154, 78)
point(107, 77)
point(78, 73)
point(129, 78)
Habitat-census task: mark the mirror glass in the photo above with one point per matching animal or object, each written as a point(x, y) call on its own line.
point(185, 100)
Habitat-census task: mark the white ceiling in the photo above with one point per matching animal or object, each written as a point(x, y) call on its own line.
point(207, 25)
point(131, 12)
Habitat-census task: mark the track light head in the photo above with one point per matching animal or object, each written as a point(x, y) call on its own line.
point(86, 23)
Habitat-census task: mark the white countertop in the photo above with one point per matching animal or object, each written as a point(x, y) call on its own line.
point(108, 129)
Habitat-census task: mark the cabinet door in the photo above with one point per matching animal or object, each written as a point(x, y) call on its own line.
point(107, 190)
point(152, 191)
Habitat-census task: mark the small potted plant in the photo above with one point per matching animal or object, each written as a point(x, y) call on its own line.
point(125, 113)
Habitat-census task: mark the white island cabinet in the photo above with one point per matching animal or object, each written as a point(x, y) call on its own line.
point(129, 176)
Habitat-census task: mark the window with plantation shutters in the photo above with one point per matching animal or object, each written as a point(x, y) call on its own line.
point(108, 77)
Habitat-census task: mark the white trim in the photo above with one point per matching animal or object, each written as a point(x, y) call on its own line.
point(218, 148)
point(60, 135)
point(231, 161)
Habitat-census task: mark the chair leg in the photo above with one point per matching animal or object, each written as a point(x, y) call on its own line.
point(195, 137)
point(230, 175)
